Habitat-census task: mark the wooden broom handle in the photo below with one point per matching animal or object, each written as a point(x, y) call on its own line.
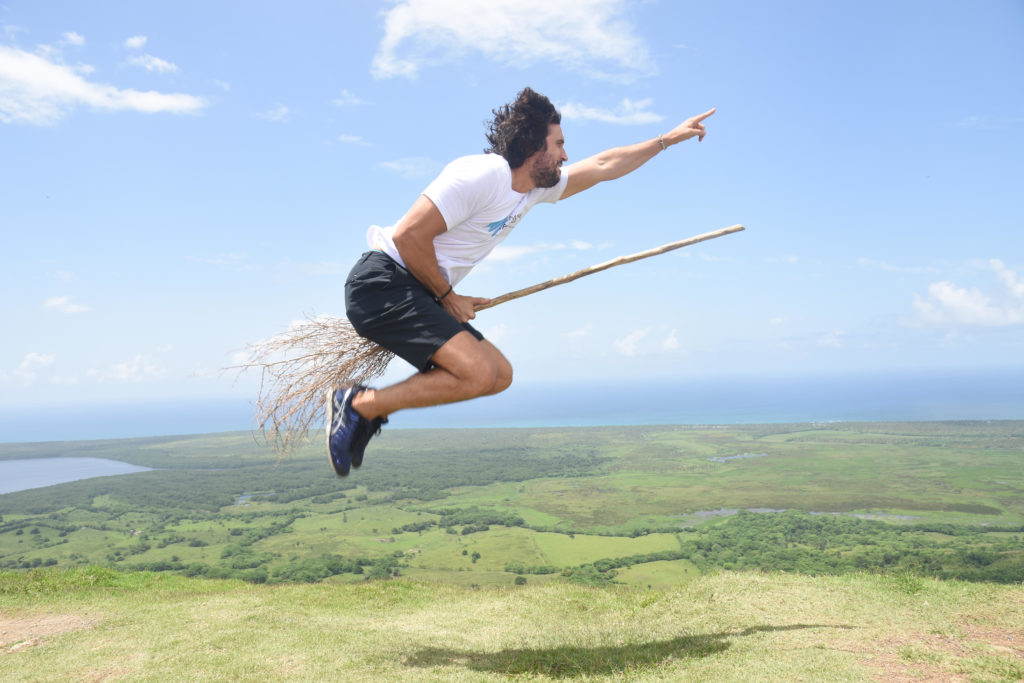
point(519, 293)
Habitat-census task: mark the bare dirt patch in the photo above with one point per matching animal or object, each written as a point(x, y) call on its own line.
point(918, 659)
point(928, 657)
point(20, 632)
point(1004, 641)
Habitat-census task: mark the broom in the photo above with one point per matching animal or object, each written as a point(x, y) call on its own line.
point(299, 366)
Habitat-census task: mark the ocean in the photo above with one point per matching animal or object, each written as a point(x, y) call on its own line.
point(837, 398)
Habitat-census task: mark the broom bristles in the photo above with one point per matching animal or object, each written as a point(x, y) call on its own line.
point(299, 367)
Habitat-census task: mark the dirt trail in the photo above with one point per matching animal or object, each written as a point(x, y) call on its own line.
point(20, 632)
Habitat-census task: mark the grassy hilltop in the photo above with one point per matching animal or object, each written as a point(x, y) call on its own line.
point(95, 624)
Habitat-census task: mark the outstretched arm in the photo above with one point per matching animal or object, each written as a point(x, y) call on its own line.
point(618, 161)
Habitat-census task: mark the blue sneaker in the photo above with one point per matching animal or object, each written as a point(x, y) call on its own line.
point(367, 430)
point(348, 432)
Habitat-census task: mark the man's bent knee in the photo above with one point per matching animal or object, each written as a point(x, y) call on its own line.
point(481, 381)
point(503, 369)
point(478, 367)
point(503, 380)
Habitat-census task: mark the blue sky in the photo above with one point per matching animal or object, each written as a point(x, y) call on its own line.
point(179, 179)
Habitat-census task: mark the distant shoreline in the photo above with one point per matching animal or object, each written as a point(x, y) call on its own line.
point(706, 401)
point(13, 452)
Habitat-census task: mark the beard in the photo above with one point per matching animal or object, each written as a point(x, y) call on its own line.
point(546, 176)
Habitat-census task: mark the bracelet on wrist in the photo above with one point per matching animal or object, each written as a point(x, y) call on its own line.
point(661, 141)
point(450, 288)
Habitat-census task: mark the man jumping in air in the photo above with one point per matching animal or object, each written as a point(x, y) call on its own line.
point(401, 294)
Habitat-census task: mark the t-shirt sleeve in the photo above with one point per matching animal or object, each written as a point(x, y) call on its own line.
point(462, 188)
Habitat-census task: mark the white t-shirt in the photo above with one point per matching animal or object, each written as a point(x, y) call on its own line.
point(475, 197)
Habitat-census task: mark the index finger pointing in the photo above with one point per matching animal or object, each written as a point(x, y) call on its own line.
point(703, 116)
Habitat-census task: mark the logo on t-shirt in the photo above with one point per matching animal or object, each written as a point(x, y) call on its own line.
point(510, 221)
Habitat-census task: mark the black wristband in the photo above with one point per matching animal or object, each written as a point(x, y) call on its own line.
point(450, 288)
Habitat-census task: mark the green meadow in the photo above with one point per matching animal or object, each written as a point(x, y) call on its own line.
point(646, 506)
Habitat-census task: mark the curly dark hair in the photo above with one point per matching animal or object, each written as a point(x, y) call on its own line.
point(521, 128)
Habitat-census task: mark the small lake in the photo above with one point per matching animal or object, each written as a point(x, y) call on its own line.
point(741, 456)
point(32, 473)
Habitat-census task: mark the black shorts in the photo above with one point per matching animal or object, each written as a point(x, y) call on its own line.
point(386, 304)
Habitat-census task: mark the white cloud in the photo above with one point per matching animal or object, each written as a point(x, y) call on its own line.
point(348, 99)
point(832, 340)
point(135, 42)
point(412, 167)
point(137, 369)
point(38, 91)
point(990, 122)
point(11, 32)
point(48, 52)
point(72, 38)
point(499, 333)
point(671, 342)
point(226, 87)
point(64, 305)
point(27, 369)
point(588, 36)
point(353, 140)
point(950, 304)
point(885, 265)
point(151, 63)
point(512, 252)
point(791, 259)
point(278, 114)
point(1013, 282)
point(972, 122)
point(628, 345)
point(627, 113)
point(582, 332)
point(241, 357)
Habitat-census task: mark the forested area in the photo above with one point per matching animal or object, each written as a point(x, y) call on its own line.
point(795, 541)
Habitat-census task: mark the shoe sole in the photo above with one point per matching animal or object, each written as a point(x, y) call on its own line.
point(329, 411)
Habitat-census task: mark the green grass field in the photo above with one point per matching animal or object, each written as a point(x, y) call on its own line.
point(92, 624)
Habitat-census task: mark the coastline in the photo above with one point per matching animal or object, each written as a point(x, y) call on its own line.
point(839, 398)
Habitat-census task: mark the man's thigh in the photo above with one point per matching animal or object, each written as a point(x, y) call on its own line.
point(464, 355)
